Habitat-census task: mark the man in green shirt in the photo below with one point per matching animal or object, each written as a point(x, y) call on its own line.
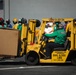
point(60, 37)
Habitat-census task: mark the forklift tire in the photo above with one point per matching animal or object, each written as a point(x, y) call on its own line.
point(31, 58)
point(73, 61)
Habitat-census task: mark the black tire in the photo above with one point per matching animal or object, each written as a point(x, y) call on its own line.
point(73, 61)
point(31, 58)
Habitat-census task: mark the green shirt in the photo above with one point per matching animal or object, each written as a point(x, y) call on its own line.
point(20, 28)
point(59, 35)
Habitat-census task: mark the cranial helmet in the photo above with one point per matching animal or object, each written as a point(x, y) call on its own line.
point(57, 23)
point(23, 20)
point(8, 21)
point(75, 21)
point(1, 20)
point(19, 21)
point(15, 20)
point(49, 24)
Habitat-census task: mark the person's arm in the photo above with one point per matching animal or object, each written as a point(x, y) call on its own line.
point(54, 34)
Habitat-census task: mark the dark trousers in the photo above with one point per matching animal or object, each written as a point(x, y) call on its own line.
point(50, 46)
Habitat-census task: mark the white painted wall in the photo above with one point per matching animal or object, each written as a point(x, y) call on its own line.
point(6, 9)
point(38, 9)
point(1, 13)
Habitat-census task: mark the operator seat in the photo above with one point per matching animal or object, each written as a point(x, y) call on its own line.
point(66, 45)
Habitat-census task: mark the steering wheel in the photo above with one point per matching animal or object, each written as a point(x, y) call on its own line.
point(44, 38)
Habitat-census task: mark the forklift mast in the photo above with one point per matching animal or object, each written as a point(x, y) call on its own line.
point(28, 34)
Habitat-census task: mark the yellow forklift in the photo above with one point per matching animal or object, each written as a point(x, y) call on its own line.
point(35, 53)
point(13, 42)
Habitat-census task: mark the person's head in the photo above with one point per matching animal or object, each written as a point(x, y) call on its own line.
point(1, 20)
point(63, 23)
point(75, 21)
point(66, 22)
point(19, 21)
point(49, 24)
point(57, 23)
point(8, 21)
point(60, 26)
point(15, 20)
point(23, 21)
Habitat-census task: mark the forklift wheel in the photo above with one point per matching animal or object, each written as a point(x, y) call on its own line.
point(31, 58)
point(73, 61)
